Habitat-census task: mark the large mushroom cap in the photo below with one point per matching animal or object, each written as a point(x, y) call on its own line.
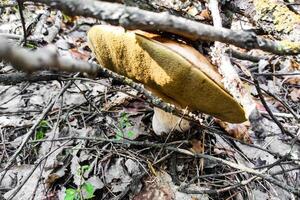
point(173, 70)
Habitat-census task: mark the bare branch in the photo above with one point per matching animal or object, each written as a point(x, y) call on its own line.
point(135, 18)
point(43, 59)
point(18, 77)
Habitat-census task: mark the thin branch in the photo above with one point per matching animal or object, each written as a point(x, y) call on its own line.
point(243, 56)
point(278, 74)
point(12, 4)
point(41, 59)
point(18, 77)
point(21, 7)
point(135, 18)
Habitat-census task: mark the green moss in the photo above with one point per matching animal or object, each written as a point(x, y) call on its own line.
point(283, 19)
point(291, 46)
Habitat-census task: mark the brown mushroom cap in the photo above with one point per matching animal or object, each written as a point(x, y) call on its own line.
point(173, 70)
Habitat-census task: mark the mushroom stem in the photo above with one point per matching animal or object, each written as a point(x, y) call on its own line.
point(164, 122)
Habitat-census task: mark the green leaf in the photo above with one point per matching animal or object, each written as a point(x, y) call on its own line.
point(39, 135)
point(71, 194)
point(43, 124)
point(118, 135)
point(41, 130)
point(89, 188)
point(130, 134)
point(30, 45)
point(124, 121)
point(84, 168)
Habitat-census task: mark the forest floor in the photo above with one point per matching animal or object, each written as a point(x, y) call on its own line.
point(69, 136)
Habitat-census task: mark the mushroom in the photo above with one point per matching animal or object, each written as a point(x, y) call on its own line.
point(172, 70)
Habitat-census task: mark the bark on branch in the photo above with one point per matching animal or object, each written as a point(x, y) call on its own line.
point(43, 59)
point(135, 18)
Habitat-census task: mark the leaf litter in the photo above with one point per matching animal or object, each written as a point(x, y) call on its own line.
point(112, 167)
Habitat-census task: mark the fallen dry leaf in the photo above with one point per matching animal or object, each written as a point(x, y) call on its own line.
point(16, 175)
point(238, 131)
point(80, 55)
point(197, 146)
point(163, 188)
point(295, 95)
point(205, 15)
point(295, 65)
point(295, 80)
point(117, 177)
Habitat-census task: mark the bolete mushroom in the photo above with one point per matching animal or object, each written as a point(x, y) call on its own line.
point(172, 70)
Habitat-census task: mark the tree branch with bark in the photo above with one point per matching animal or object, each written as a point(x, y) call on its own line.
point(135, 18)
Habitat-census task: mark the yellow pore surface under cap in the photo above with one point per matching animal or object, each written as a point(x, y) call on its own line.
point(157, 63)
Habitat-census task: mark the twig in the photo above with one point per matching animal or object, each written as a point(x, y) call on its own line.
point(135, 18)
point(218, 191)
point(42, 59)
point(277, 74)
point(231, 79)
point(54, 130)
point(21, 7)
point(20, 37)
point(11, 36)
point(279, 114)
point(4, 151)
point(242, 56)
point(19, 77)
point(19, 112)
point(288, 170)
point(239, 167)
point(171, 143)
point(184, 186)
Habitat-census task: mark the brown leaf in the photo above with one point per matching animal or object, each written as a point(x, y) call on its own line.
point(162, 187)
point(295, 65)
point(205, 14)
point(295, 80)
point(197, 146)
point(295, 95)
point(79, 54)
point(155, 190)
point(51, 179)
point(238, 131)
point(192, 11)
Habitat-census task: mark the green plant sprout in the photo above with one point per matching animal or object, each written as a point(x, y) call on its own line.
point(85, 187)
point(124, 123)
point(41, 130)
